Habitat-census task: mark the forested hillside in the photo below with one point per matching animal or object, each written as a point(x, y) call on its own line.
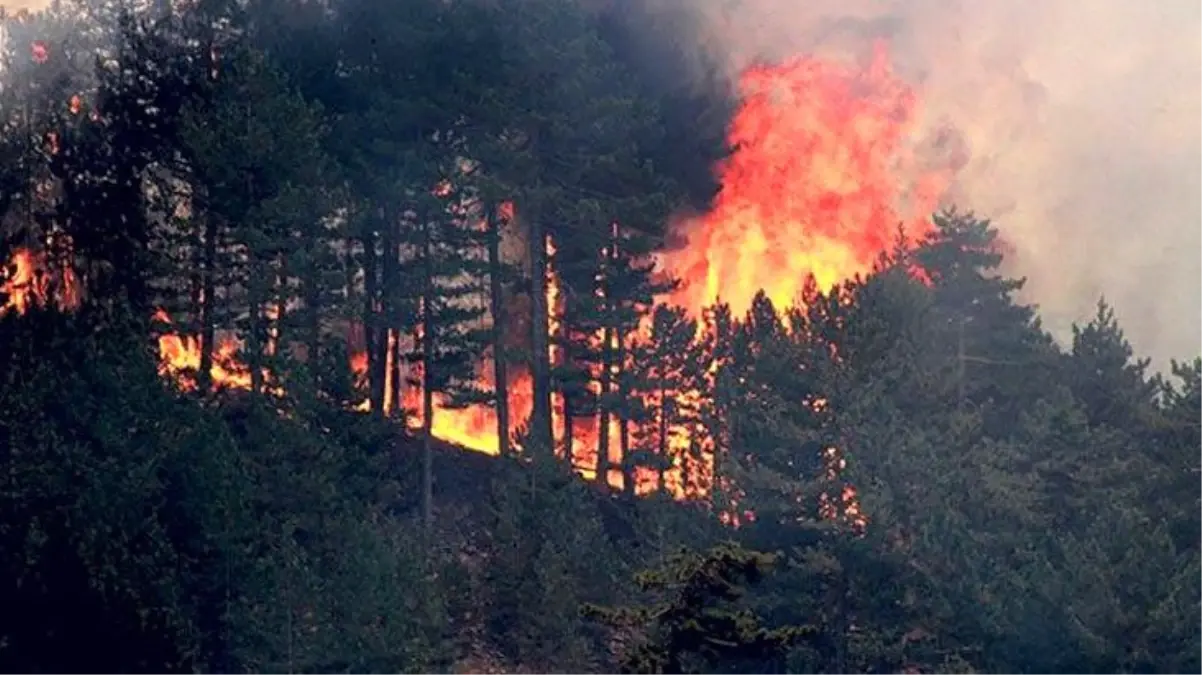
point(473, 336)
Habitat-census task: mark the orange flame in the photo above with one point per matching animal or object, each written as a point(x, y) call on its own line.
point(27, 281)
point(180, 357)
point(820, 179)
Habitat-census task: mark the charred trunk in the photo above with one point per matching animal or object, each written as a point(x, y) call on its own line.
point(372, 335)
point(389, 333)
point(313, 324)
point(662, 451)
point(624, 426)
point(497, 310)
point(542, 436)
point(428, 380)
point(603, 403)
point(208, 292)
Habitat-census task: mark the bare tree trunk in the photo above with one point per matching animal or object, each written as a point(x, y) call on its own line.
point(663, 432)
point(389, 334)
point(208, 301)
point(607, 364)
point(624, 429)
point(497, 309)
point(372, 335)
point(540, 418)
point(427, 343)
point(566, 384)
point(255, 342)
point(603, 415)
point(313, 322)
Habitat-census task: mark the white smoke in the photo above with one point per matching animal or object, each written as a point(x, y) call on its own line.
point(1083, 122)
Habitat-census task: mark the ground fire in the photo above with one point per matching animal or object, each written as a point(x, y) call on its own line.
point(821, 177)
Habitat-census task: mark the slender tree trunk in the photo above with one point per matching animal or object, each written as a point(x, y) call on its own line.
point(497, 309)
point(607, 364)
point(389, 333)
point(256, 342)
point(567, 390)
point(540, 369)
point(313, 321)
point(624, 428)
point(208, 328)
point(603, 415)
point(395, 357)
point(372, 335)
point(427, 433)
point(427, 342)
point(663, 432)
point(349, 269)
point(276, 321)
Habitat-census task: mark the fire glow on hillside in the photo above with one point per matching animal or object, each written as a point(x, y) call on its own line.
point(821, 176)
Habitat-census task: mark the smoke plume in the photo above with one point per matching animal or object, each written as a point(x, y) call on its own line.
point(1081, 125)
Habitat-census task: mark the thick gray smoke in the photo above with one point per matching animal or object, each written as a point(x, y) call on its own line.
point(1082, 122)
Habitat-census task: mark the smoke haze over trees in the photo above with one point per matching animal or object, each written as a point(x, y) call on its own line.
point(1078, 130)
point(482, 336)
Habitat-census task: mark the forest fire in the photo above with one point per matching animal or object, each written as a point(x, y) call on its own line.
point(822, 175)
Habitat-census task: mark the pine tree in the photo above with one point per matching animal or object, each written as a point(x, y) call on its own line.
point(671, 370)
point(998, 351)
point(255, 202)
point(448, 245)
point(1103, 374)
point(698, 626)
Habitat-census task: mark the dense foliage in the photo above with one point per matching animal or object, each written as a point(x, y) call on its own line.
point(923, 480)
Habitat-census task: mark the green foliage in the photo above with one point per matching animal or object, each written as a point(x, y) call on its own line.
point(301, 185)
point(88, 440)
point(549, 555)
point(698, 627)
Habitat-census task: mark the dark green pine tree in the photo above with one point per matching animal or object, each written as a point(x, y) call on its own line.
point(577, 340)
point(607, 293)
point(552, 554)
point(383, 76)
point(776, 437)
point(257, 201)
point(579, 138)
point(670, 367)
point(449, 260)
point(997, 355)
point(87, 541)
point(631, 286)
point(100, 157)
point(1103, 374)
point(698, 625)
point(1177, 433)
